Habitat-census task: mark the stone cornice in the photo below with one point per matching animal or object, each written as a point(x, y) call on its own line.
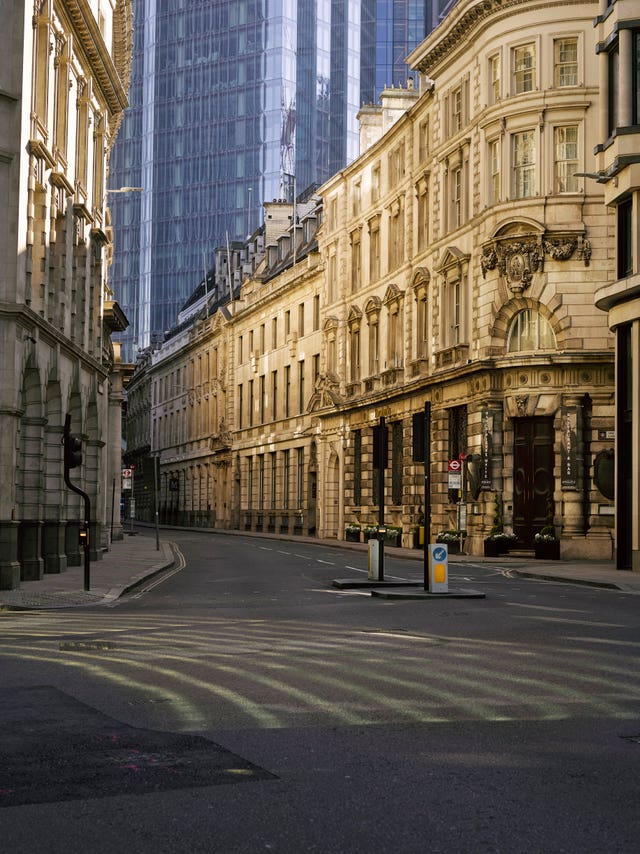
point(27, 319)
point(89, 41)
point(460, 26)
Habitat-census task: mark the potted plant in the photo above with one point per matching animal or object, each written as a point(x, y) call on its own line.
point(452, 539)
point(392, 535)
point(546, 543)
point(495, 543)
point(352, 533)
point(370, 532)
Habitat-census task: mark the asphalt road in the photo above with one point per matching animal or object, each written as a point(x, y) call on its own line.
point(243, 704)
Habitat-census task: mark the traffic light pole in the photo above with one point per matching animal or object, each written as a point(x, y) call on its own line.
point(84, 533)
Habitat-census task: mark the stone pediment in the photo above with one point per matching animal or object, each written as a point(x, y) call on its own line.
point(326, 393)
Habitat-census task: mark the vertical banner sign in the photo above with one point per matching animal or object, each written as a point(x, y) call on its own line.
point(485, 451)
point(568, 447)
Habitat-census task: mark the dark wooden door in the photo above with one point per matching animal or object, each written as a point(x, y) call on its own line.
point(533, 475)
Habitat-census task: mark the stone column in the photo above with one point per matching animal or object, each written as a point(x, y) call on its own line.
point(625, 79)
point(53, 545)
point(29, 550)
point(9, 565)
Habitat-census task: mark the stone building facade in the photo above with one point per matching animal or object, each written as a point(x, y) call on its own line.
point(468, 254)
point(455, 265)
point(617, 172)
point(64, 76)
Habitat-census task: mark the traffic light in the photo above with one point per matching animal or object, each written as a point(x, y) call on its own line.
point(72, 451)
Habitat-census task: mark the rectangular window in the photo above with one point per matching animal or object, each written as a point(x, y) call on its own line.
point(494, 171)
point(456, 197)
point(524, 164)
point(375, 183)
point(423, 217)
point(374, 347)
point(566, 159)
point(613, 94)
point(262, 398)
point(423, 141)
point(356, 261)
point(374, 250)
point(316, 368)
point(262, 339)
point(421, 326)
point(316, 312)
point(396, 166)
point(274, 394)
point(354, 336)
point(301, 386)
point(251, 343)
point(524, 68)
point(240, 405)
point(251, 404)
point(249, 483)
point(454, 312)
point(301, 320)
point(356, 199)
point(494, 79)
point(566, 62)
point(287, 391)
point(332, 285)
point(287, 324)
point(625, 238)
point(456, 110)
point(274, 333)
point(394, 340)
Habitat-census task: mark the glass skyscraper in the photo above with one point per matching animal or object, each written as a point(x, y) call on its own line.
point(232, 103)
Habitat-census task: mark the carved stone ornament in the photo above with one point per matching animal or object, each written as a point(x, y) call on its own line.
point(518, 259)
point(521, 404)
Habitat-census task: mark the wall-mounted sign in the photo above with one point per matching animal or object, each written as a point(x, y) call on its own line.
point(486, 442)
point(569, 447)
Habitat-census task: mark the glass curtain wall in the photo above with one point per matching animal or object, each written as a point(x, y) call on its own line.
point(233, 104)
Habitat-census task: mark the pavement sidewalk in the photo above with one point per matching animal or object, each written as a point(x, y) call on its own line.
point(134, 559)
point(128, 563)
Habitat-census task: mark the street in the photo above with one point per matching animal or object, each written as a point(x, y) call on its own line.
point(243, 704)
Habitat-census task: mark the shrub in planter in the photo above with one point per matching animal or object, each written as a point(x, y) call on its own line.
point(547, 549)
point(546, 543)
point(393, 535)
point(452, 539)
point(492, 547)
point(369, 532)
point(352, 533)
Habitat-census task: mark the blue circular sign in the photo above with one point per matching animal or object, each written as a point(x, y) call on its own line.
point(439, 553)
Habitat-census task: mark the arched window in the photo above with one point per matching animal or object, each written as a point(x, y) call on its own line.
point(530, 331)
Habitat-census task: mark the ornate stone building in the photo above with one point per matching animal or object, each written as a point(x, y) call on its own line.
point(63, 81)
point(467, 255)
point(456, 265)
point(617, 172)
